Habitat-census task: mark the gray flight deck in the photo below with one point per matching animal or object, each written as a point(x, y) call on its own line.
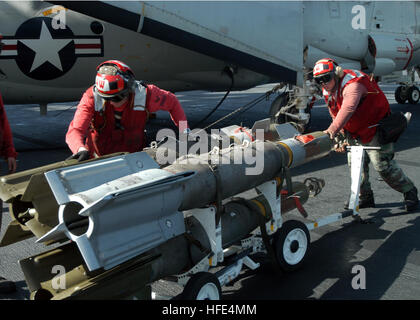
point(388, 247)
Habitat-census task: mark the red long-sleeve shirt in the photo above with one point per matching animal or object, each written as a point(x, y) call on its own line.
point(7, 148)
point(352, 94)
point(157, 99)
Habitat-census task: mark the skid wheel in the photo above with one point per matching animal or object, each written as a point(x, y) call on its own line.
point(202, 286)
point(291, 244)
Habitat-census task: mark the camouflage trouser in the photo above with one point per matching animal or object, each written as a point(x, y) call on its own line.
point(384, 164)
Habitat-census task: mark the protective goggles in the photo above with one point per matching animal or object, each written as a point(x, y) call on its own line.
point(117, 98)
point(324, 79)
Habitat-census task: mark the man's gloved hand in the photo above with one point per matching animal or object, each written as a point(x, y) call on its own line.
point(341, 148)
point(341, 143)
point(80, 156)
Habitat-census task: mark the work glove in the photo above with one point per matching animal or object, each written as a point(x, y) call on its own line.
point(80, 156)
point(341, 148)
point(341, 143)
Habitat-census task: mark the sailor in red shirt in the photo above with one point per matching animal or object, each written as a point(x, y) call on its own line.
point(356, 105)
point(112, 114)
point(7, 150)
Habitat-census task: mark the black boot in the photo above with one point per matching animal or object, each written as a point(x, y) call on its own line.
point(411, 200)
point(365, 201)
point(7, 286)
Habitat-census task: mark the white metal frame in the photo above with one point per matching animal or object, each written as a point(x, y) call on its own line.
point(207, 218)
point(357, 157)
point(269, 189)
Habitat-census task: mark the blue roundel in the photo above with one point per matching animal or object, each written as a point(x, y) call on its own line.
point(45, 50)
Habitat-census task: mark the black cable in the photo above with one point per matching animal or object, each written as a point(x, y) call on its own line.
point(246, 107)
point(229, 72)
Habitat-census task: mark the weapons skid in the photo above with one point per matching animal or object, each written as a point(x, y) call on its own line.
point(133, 221)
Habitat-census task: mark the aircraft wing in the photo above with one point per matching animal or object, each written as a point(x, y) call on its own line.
point(265, 37)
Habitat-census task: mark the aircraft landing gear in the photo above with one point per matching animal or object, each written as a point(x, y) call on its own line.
point(400, 95)
point(407, 93)
point(413, 95)
point(43, 109)
point(284, 109)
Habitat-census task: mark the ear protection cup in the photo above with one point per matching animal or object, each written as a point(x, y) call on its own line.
point(130, 81)
point(339, 71)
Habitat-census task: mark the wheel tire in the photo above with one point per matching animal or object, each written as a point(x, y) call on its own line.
point(413, 95)
point(291, 244)
point(398, 96)
point(202, 286)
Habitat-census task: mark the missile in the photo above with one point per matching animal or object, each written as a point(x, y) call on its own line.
point(132, 220)
point(170, 258)
point(276, 155)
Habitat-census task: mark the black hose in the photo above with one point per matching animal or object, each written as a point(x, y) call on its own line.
point(229, 72)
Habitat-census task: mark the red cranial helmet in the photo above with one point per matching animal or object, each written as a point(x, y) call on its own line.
point(113, 78)
point(323, 67)
point(325, 70)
